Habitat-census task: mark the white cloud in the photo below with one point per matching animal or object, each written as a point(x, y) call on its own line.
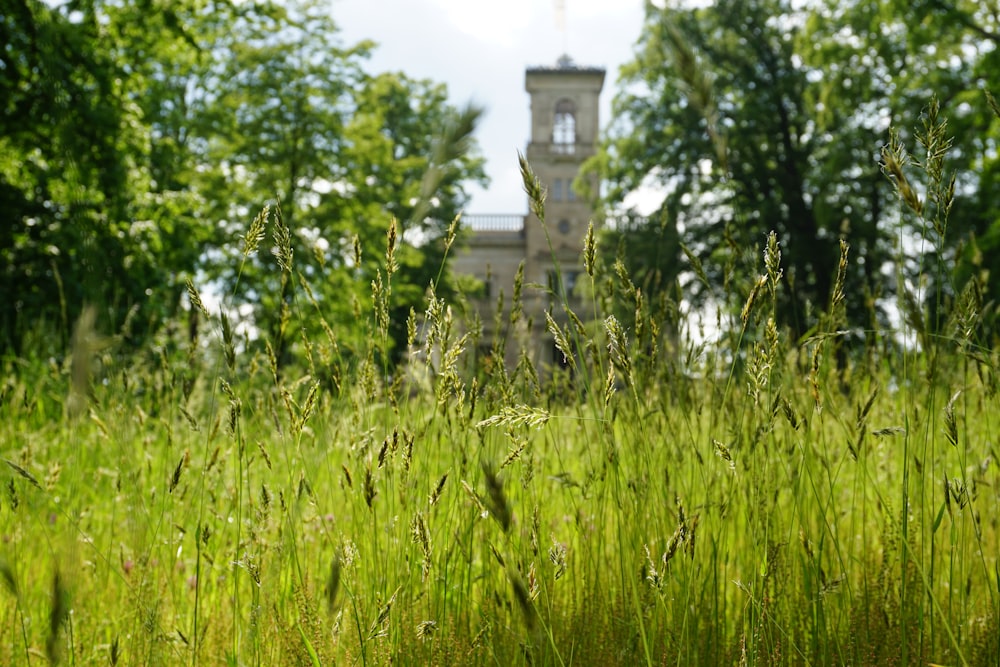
point(492, 22)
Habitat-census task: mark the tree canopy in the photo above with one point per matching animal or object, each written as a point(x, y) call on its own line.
point(140, 138)
point(749, 116)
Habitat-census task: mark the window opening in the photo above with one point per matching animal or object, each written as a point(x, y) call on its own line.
point(564, 128)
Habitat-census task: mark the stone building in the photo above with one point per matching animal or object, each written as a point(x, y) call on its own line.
point(564, 133)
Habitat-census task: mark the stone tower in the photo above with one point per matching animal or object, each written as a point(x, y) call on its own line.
point(564, 132)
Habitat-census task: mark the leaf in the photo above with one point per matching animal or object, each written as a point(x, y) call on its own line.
point(313, 656)
point(937, 519)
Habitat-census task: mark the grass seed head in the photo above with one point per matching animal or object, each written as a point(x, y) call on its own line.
point(436, 493)
point(894, 162)
point(421, 537)
point(282, 236)
point(696, 266)
point(176, 477)
point(561, 341)
point(333, 583)
point(195, 298)
point(532, 187)
point(380, 299)
point(752, 299)
point(950, 422)
point(368, 487)
point(356, 252)
point(557, 556)
point(86, 344)
point(992, 102)
point(652, 575)
point(590, 250)
point(864, 410)
point(452, 234)
point(256, 232)
point(523, 597)
point(499, 507)
point(772, 263)
point(626, 281)
point(390, 248)
point(58, 614)
point(518, 415)
point(426, 630)
point(515, 452)
point(383, 450)
point(609, 385)
point(497, 555)
point(408, 439)
point(517, 303)
point(411, 328)
point(837, 315)
point(722, 451)
point(618, 347)
point(814, 388)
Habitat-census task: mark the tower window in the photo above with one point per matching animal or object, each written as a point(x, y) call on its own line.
point(570, 279)
point(557, 193)
point(564, 128)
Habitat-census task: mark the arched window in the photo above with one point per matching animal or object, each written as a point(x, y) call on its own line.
point(564, 128)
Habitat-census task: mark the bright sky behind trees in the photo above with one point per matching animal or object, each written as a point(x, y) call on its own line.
point(480, 48)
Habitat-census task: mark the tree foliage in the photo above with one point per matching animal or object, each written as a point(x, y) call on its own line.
point(142, 137)
point(69, 142)
point(759, 115)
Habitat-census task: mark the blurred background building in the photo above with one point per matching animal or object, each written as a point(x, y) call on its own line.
point(564, 133)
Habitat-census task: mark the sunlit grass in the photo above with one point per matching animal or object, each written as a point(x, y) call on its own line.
point(751, 501)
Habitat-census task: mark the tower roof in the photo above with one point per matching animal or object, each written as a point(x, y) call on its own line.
point(565, 64)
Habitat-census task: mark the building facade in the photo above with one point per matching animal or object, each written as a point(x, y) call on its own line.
point(564, 133)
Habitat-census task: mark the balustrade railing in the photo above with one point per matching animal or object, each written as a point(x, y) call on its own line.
point(496, 222)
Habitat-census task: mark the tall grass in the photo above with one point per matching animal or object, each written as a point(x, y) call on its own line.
point(753, 501)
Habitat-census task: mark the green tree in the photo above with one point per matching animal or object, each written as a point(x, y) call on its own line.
point(293, 117)
point(952, 54)
point(140, 138)
point(407, 157)
point(166, 47)
point(64, 185)
point(731, 112)
point(94, 177)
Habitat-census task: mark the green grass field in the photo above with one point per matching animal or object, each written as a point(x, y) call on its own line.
point(754, 500)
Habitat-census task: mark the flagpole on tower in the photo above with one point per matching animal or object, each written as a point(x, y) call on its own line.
point(560, 7)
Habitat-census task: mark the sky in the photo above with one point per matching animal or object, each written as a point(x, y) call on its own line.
point(480, 49)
